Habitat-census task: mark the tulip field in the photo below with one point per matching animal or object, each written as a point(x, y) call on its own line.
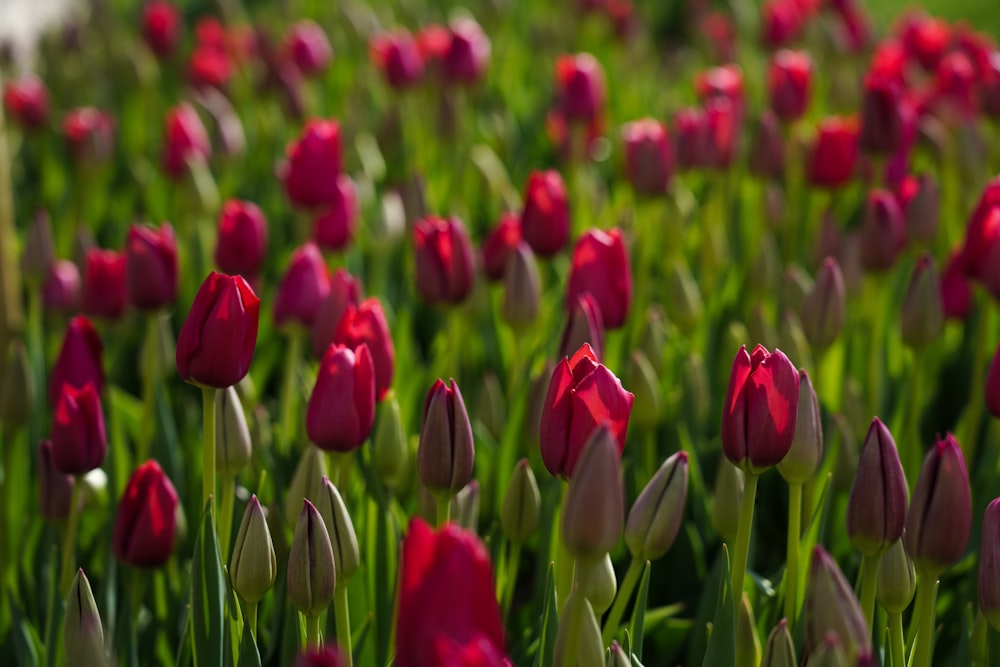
point(498, 333)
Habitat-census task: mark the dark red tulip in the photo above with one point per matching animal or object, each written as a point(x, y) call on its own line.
point(345, 290)
point(433, 44)
point(342, 404)
point(545, 221)
point(989, 86)
point(956, 84)
point(876, 508)
point(780, 22)
point(600, 265)
point(62, 290)
point(146, 523)
point(582, 395)
point(242, 244)
point(396, 55)
point(691, 137)
point(314, 160)
point(447, 612)
point(304, 286)
point(723, 132)
point(499, 244)
point(956, 292)
point(724, 82)
point(767, 150)
point(366, 324)
point(919, 198)
point(649, 156)
point(185, 139)
point(444, 261)
point(468, 53)
point(758, 418)
point(993, 386)
point(926, 40)
point(579, 88)
point(54, 487)
point(584, 324)
point(27, 102)
point(853, 32)
point(104, 284)
point(79, 361)
point(789, 83)
point(883, 231)
point(982, 232)
point(151, 266)
point(89, 134)
point(446, 452)
point(308, 47)
point(210, 66)
point(79, 441)
point(323, 656)
point(834, 153)
point(216, 342)
point(160, 27)
point(334, 228)
point(885, 115)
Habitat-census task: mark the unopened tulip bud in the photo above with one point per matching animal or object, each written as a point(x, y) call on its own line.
point(823, 308)
point(830, 653)
point(545, 220)
point(578, 624)
point(940, 515)
point(594, 511)
point(642, 378)
point(802, 460)
point(831, 607)
point(654, 337)
point(79, 439)
point(747, 641)
point(311, 573)
point(922, 319)
point(897, 580)
point(780, 650)
point(147, 522)
point(791, 337)
point(883, 232)
point(391, 453)
point(876, 508)
point(306, 483)
point(233, 447)
point(600, 265)
point(657, 514)
point(522, 504)
point(989, 565)
point(522, 288)
point(17, 388)
point(584, 324)
point(726, 499)
point(920, 198)
point(490, 409)
point(83, 633)
point(54, 487)
point(684, 304)
point(446, 453)
point(465, 507)
point(617, 656)
point(253, 567)
point(341, 531)
point(39, 250)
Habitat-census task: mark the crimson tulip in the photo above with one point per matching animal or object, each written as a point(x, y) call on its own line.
point(876, 508)
point(104, 284)
point(210, 66)
point(885, 115)
point(600, 265)
point(926, 40)
point(151, 266)
point(579, 88)
point(545, 221)
point(956, 292)
point(366, 323)
point(27, 101)
point(649, 156)
point(308, 47)
point(781, 22)
point(160, 27)
point(345, 290)
point(723, 131)
point(342, 404)
point(499, 244)
point(444, 261)
point(334, 228)
point(691, 137)
point(242, 243)
point(982, 231)
point(725, 82)
point(396, 55)
point(919, 198)
point(314, 160)
point(62, 290)
point(304, 286)
point(322, 656)
point(468, 53)
point(834, 154)
point(789, 83)
point(89, 134)
point(79, 361)
point(883, 231)
point(79, 440)
point(185, 139)
point(956, 84)
point(146, 523)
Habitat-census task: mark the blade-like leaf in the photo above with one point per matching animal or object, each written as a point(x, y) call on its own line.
point(207, 595)
point(249, 655)
point(550, 622)
point(639, 612)
point(722, 642)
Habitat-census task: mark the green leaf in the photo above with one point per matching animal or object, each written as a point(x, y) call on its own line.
point(722, 642)
point(550, 622)
point(25, 640)
point(249, 655)
point(207, 595)
point(639, 612)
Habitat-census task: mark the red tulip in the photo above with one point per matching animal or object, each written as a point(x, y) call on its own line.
point(216, 342)
point(883, 231)
point(926, 40)
point(444, 262)
point(79, 441)
point(104, 284)
point(956, 82)
point(649, 156)
point(982, 232)
point(210, 66)
point(885, 115)
point(323, 656)
point(545, 222)
point(582, 395)
point(27, 102)
point(584, 324)
point(185, 139)
point(396, 55)
point(89, 134)
point(834, 153)
point(79, 360)
point(305, 285)
point(499, 244)
point(580, 88)
point(62, 291)
point(366, 324)
point(433, 44)
point(160, 27)
point(956, 292)
point(447, 612)
point(691, 136)
point(780, 22)
point(242, 243)
point(308, 47)
point(722, 134)
point(767, 150)
point(758, 418)
point(724, 82)
point(600, 266)
point(313, 162)
point(342, 404)
point(876, 508)
point(151, 266)
point(345, 290)
point(468, 53)
point(789, 83)
point(989, 86)
point(334, 229)
point(146, 523)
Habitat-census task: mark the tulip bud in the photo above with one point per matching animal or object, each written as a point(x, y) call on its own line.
point(597, 583)
point(233, 447)
point(490, 409)
point(789, 83)
point(584, 324)
point(726, 499)
point(468, 53)
point(185, 139)
point(522, 504)
point(27, 102)
point(617, 656)
point(802, 460)
point(39, 254)
point(823, 308)
point(545, 220)
point(642, 377)
point(89, 135)
point(307, 46)
point(922, 319)
point(151, 266)
point(366, 324)
point(897, 580)
point(832, 608)
point(885, 115)
point(920, 200)
point(79, 360)
point(499, 244)
point(17, 388)
point(747, 641)
point(684, 305)
point(522, 288)
point(334, 229)
point(146, 524)
point(767, 152)
point(341, 531)
point(444, 261)
point(940, 515)
point(307, 482)
point(398, 58)
point(83, 633)
point(649, 156)
point(390, 453)
point(883, 231)
point(311, 574)
point(242, 243)
point(577, 623)
point(579, 87)
point(341, 407)
point(446, 452)
point(594, 511)
point(253, 567)
point(600, 265)
point(876, 508)
point(464, 508)
point(104, 284)
point(345, 290)
point(780, 650)
point(160, 27)
point(302, 289)
point(79, 441)
point(657, 514)
point(62, 290)
point(313, 160)
point(834, 154)
point(830, 653)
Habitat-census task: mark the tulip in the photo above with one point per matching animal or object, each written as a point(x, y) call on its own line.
point(831, 608)
point(956, 292)
point(185, 140)
point(655, 517)
point(545, 220)
point(27, 101)
point(396, 55)
point(253, 568)
point(883, 232)
point(342, 404)
point(724, 82)
point(311, 574)
point(210, 67)
point(160, 27)
point(789, 83)
point(334, 229)
point(104, 284)
point(83, 633)
point(322, 656)
point(617, 656)
point(584, 324)
point(578, 638)
point(151, 267)
point(216, 342)
point(593, 515)
point(242, 243)
point(307, 46)
point(522, 504)
point(62, 290)
point(446, 610)
point(649, 156)
point(982, 231)
point(579, 88)
point(747, 642)
point(642, 377)
point(79, 441)
point(989, 86)
point(727, 491)
point(781, 22)
point(345, 290)
point(876, 509)
point(582, 395)
point(920, 200)
point(803, 458)
point(307, 482)
point(366, 324)
point(896, 579)
point(823, 307)
point(446, 452)
point(89, 134)
point(304, 286)
point(444, 261)
point(499, 244)
point(600, 265)
point(989, 564)
point(522, 288)
point(956, 85)
point(468, 53)
point(341, 530)
point(885, 115)
point(780, 650)
point(922, 318)
point(767, 151)
point(233, 448)
point(691, 137)
point(391, 450)
point(79, 361)
point(313, 161)
point(146, 522)
point(722, 120)
point(834, 154)
point(55, 488)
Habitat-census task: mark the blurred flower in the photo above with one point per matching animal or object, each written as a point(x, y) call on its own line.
point(921, 321)
point(396, 55)
point(311, 568)
point(600, 265)
point(926, 39)
point(767, 149)
point(342, 403)
point(823, 308)
point(345, 290)
point(522, 504)
point(919, 198)
point(955, 85)
point(883, 231)
point(55, 487)
point(897, 580)
point(499, 244)
point(723, 133)
point(146, 522)
point(104, 284)
point(242, 241)
point(522, 288)
point(691, 137)
point(989, 86)
point(79, 361)
point(253, 567)
point(876, 508)
point(185, 139)
point(956, 292)
point(233, 448)
point(446, 452)
point(302, 289)
point(313, 160)
point(89, 134)
point(160, 27)
point(593, 514)
point(308, 47)
point(580, 88)
point(982, 232)
point(649, 156)
point(545, 220)
point(834, 153)
point(82, 631)
point(780, 22)
point(989, 564)
point(724, 82)
point(831, 607)
point(79, 440)
point(468, 52)
point(804, 457)
point(444, 260)
point(885, 115)
point(27, 101)
point(343, 539)
point(365, 323)
point(334, 228)
point(789, 83)
point(151, 266)
point(584, 324)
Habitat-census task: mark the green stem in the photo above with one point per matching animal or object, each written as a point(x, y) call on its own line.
point(69, 544)
point(635, 568)
point(923, 615)
point(792, 552)
point(208, 446)
point(743, 534)
point(876, 287)
point(443, 501)
point(896, 641)
point(312, 631)
point(563, 561)
point(510, 576)
point(289, 391)
point(150, 379)
point(869, 579)
point(343, 618)
point(250, 618)
point(228, 496)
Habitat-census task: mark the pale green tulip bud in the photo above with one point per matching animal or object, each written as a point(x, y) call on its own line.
point(391, 453)
point(656, 516)
point(522, 504)
point(594, 512)
point(617, 656)
point(598, 583)
point(780, 651)
point(311, 568)
point(83, 634)
point(897, 579)
point(726, 499)
point(642, 380)
point(253, 567)
point(339, 527)
point(465, 506)
point(233, 449)
point(802, 460)
point(747, 641)
point(577, 613)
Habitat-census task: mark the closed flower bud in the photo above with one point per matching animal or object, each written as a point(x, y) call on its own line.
point(831, 607)
point(83, 633)
point(468, 53)
point(444, 261)
point(465, 507)
point(62, 290)
point(307, 482)
point(79, 361)
point(789, 82)
point(642, 378)
point(391, 453)
point(334, 228)
point(584, 324)
point(802, 460)
point(345, 290)
point(684, 303)
point(579, 87)
point(160, 27)
point(780, 650)
point(597, 582)
point(823, 308)
point(522, 504)
point(79, 441)
point(307, 46)
point(722, 119)
point(657, 514)
point(305, 284)
point(396, 55)
point(342, 403)
point(446, 452)
point(691, 138)
point(885, 115)
point(151, 266)
point(499, 245)
point(341, 531)
point(882, 232)
point(146, 524)
point(617, 656)
point(54, 487)
point(593, 515)
point(578, 623)
point(758, 419)
point(940, 515)
point(522, 288)
point(920, 199)
point(876, 508)
point(89, 135)
point(27, 101)
point(366, 324)
point(726, 499)
point(545, 220)
point(313, 160)
point(897, 580)
point(834, 153)
point(649, 156)
point(104, 284)
point(767, 151)
point(185, 139)
point(922, 319)
point(253, 566)
point(17, 388)
point(311, 574)
point(600, 265)
point(233, 447)
point(216, 342)
point(242, 244)
point(830, 653)
point(747, 641)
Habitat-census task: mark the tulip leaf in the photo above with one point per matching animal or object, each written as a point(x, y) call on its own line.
point(207, 595)
point(249, 655)
point(639, 612)
point(184, 645)
point(550, 622)
point(721, 650)
point(25, 639)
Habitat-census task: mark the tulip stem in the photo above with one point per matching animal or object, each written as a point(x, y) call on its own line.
point(869, 579)
point(923, 614)
point(149, 382)
point(635, 569)
point(896, 641)
point(510, 578)
point(69, 544)
point(228, 496)
point(312, 631)
point(792, 552)
point(289, 391)
point(208, 446)
point(250, 618)
point(443, 502)
point(739, 569)
point(342, 617)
